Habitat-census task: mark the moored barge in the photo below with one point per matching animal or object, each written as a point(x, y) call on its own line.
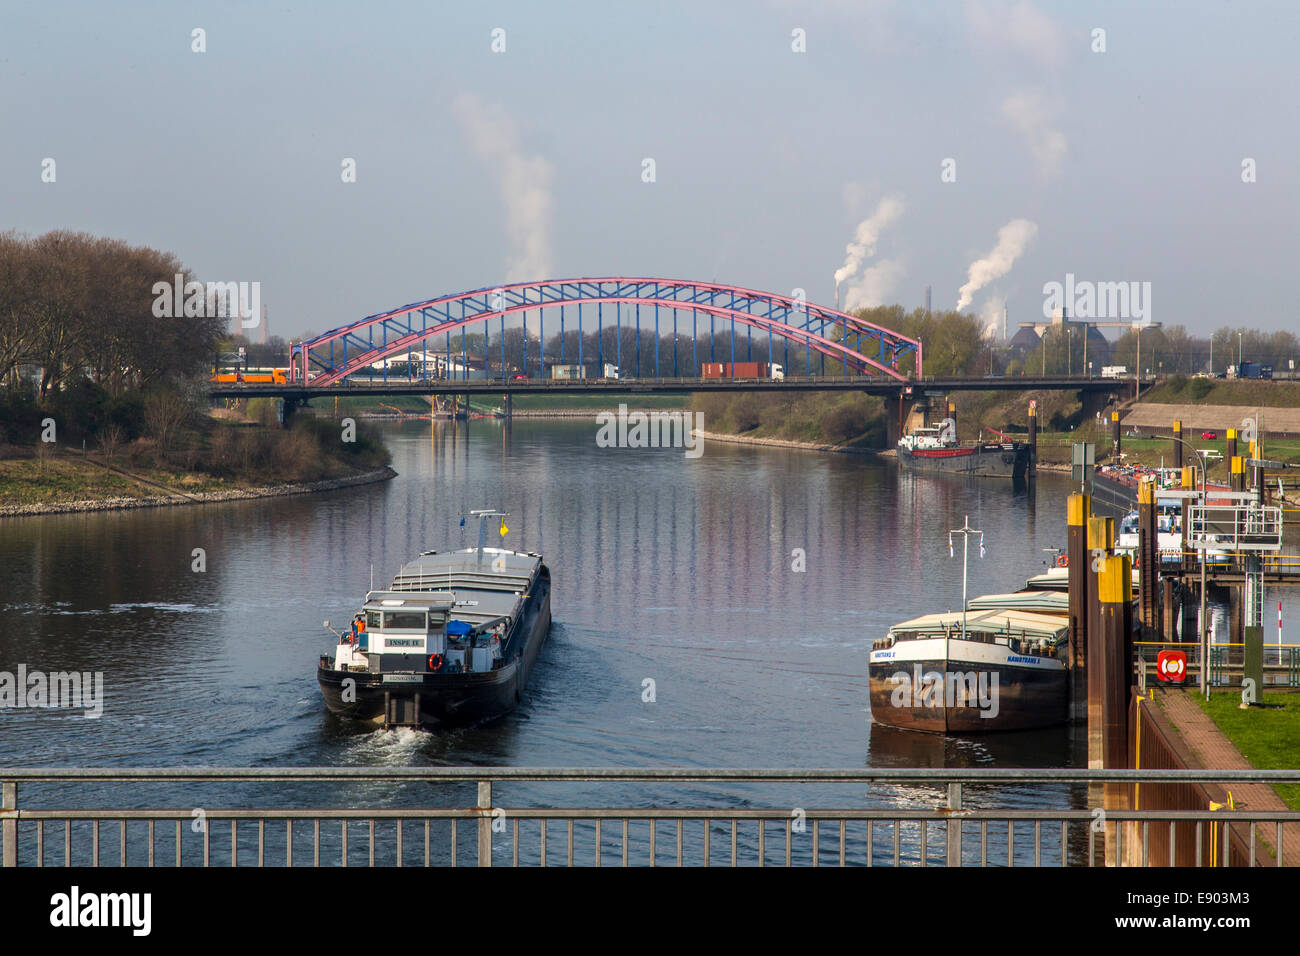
point(1004, 669)
point(932, 450)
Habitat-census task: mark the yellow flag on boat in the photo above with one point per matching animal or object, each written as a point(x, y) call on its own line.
point(504, 529)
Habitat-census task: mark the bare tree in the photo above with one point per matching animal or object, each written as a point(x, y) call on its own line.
point(110, 439)
point(165, 412)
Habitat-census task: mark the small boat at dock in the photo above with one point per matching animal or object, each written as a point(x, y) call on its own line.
point(452, 641)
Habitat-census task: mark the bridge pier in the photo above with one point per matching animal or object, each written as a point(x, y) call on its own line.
point(289, 406)
point(510, 406)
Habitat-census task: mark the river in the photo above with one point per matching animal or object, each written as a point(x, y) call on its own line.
point(666, 568)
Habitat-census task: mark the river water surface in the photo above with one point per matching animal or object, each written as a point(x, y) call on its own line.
point(667, 569)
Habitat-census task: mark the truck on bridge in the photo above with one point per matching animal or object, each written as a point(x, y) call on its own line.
point(741, 370)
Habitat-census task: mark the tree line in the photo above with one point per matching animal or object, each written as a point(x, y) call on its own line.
point(1170, 350)
point(76, 307)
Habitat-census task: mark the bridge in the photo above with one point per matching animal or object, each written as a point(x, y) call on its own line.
point(672, 386)
point(853, 345)
point(862, 355)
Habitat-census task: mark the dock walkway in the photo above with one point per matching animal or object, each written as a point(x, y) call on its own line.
point(1211, 748)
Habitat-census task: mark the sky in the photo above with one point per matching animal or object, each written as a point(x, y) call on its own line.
point(983, 148)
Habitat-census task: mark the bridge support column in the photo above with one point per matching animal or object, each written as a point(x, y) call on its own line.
point(510, 406)
point(897, 411)
point(289, 406)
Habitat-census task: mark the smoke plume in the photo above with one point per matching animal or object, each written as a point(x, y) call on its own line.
point(524, 183)
point(1033, 117)
point(991, 314)
point(1013, 238)
point(874, 286)
point(865, 237)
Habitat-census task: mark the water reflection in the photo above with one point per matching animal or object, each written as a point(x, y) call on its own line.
point(677, 570)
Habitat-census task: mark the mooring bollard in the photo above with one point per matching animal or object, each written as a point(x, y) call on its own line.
point(1077, 515)
point(1100, 539)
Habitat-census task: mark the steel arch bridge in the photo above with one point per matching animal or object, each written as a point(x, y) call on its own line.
point(861, 347)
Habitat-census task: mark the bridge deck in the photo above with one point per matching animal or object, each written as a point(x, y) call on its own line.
point(672, 386)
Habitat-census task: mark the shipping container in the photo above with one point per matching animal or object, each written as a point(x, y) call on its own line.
point(568, 371)
point(740, 370)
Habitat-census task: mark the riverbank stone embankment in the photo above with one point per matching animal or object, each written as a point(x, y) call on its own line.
point(191, 498)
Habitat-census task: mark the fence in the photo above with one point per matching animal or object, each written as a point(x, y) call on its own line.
point(1227, 667)
point(960, 828)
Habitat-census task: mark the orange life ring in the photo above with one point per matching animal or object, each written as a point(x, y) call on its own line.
point(1062, 561)
point(435, 662)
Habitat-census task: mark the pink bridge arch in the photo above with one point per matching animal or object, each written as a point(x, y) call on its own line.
point(862, 347)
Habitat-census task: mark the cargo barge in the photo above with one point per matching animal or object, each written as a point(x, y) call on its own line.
point(932, 450)
point(1003, 668)
point(452, 641)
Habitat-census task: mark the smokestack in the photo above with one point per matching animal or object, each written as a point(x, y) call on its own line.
point(837, 297)
point(1004, 323)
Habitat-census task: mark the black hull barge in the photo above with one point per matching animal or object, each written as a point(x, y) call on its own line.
point(452, 642)
point(1004, 670)
point(987, 459)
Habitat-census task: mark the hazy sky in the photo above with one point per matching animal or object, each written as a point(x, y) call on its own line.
point(475, 167)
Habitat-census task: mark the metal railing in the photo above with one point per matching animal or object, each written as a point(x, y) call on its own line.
point(1227, 666)
point(964, 825)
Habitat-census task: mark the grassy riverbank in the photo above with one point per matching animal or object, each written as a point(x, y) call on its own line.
point(1265, 735)
point(1054, 448)
point(211, 456)
point(825, 418)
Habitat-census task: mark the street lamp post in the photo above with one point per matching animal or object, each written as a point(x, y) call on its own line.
point(965, 531)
